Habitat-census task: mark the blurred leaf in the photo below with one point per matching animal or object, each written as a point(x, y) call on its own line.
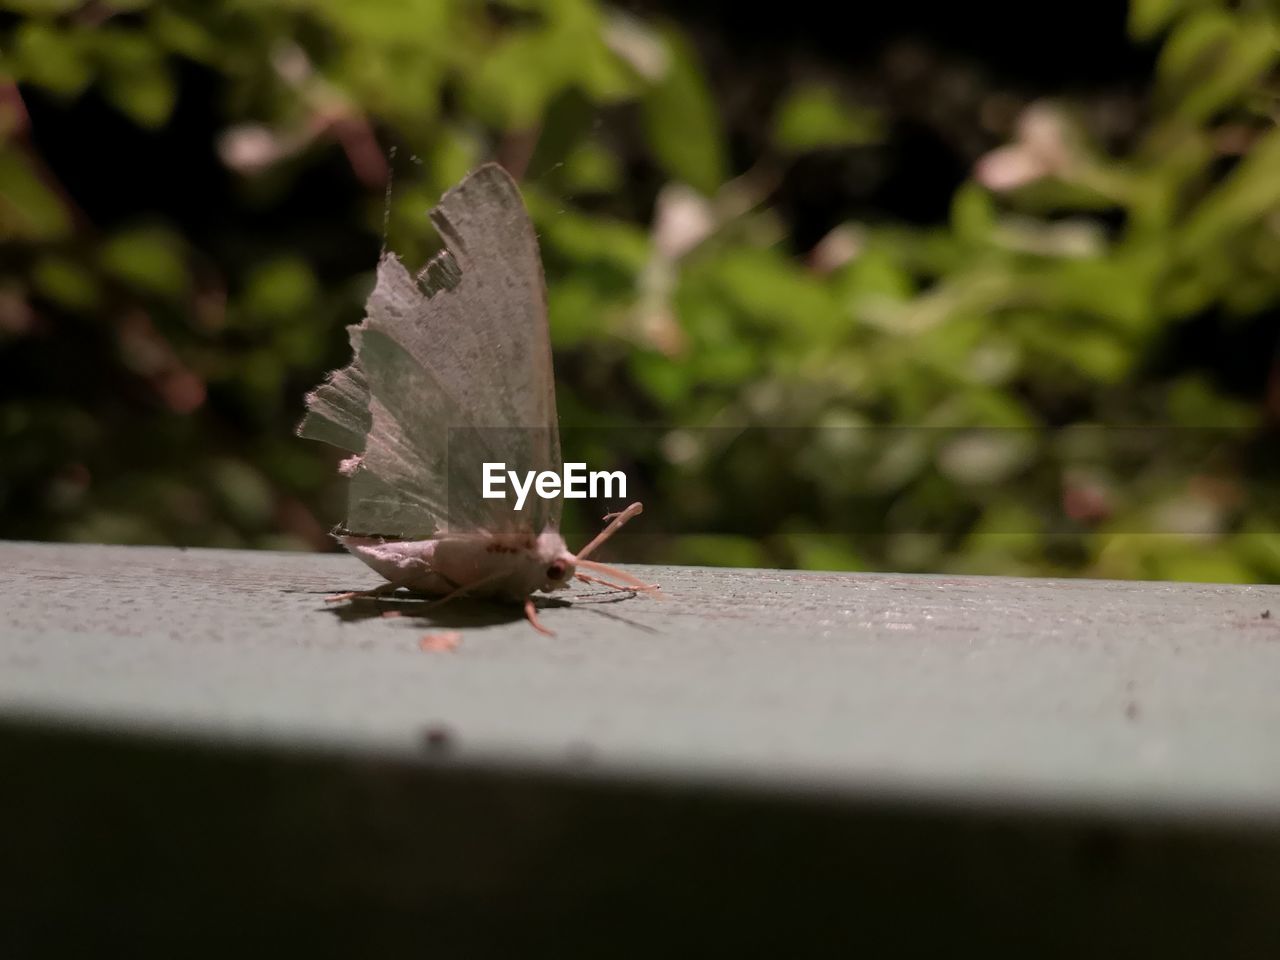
point(664, 382)
point(720, 550)
point(1211, 58)
point(682, 122)
point(242, 491)
point(973, 214)
point(65, 282)
point(899, 460)
point(136, 76)
point(1148, 17)
point(1192, 402)
point(771, 289)
point(1097, 354)
point(148, 259)
point(46, 7)
point(520, 75)
point(577, 310)
point(986, 456)
point(400, 23)
point(184, 35)
point(1118, 289)
point(453, 156)
point(54, 58)
point(1017, 527)
point(1260, 551)
point(1253, 187)
point(1194, 561)
point(516, 80)
point(585, 239)
point(814, 118)
point(874, 277)
point(823, 552)
point(591, 168)
point(280, 290)
point(28, 209)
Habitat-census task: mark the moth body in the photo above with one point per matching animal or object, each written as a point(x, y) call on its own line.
point(505, 566)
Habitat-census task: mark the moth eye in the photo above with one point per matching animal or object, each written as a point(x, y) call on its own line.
point(555, 571)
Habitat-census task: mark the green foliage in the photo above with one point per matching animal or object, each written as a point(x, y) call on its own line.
point(681, 121)
point(973, 395)
point(813, 117)
point(147, 260)
point(28, 208)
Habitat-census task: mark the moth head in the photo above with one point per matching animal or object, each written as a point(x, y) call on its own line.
point(557, 563)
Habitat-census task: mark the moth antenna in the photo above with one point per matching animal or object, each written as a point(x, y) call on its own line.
point(632, 583)
point(386, 201)
point(585, 578)
point(618, 519)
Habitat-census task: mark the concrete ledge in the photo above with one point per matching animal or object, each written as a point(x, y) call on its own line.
point(765, 761)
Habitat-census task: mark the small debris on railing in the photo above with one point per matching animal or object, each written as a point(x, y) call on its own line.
point(437, 738)
point(445, 642)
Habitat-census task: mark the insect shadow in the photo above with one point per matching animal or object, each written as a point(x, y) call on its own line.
point(460, 613)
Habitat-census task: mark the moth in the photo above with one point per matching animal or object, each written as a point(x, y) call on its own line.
point(452, 367)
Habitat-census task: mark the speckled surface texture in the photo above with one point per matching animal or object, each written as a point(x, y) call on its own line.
point(199, 755)
point(1060, 691)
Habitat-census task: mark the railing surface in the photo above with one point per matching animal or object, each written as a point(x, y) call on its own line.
point(762, 758)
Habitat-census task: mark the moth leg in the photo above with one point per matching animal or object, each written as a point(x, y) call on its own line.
point(382, 591)
point(451, 595)
point(466, 588)
point(530, 611)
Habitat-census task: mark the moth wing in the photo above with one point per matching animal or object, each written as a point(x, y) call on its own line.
point(338, 410)
point(455, 369)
